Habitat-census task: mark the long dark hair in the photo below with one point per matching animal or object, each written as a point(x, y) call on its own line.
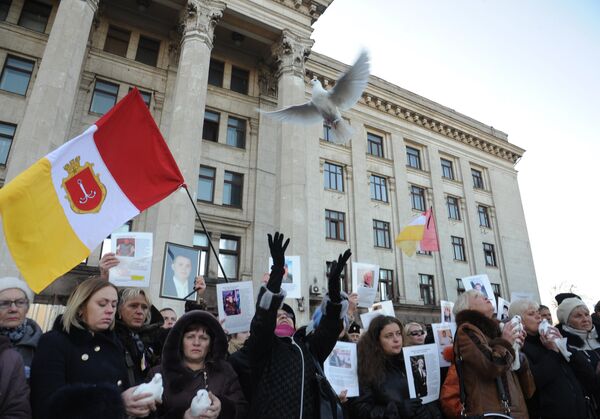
point(371, 358)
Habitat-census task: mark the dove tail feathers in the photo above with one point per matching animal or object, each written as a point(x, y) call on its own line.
point(341, 132)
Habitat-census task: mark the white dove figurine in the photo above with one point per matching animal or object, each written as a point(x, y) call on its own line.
point(327, 105)
point(518, 328)
point(561, 343)
point(155, 387)
point(200, 403)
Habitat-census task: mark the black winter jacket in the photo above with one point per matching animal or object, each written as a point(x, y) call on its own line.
point(283, 370)
point(77, 357)
point(558, 392)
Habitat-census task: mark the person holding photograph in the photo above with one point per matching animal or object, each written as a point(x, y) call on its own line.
point(281, 360)
point(485, 355)
point(382, 377)
point(558, 392)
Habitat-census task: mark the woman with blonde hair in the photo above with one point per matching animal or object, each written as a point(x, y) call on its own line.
point(81, 365)
point(414, 334)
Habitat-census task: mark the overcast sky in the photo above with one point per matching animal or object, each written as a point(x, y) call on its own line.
point(530, 68)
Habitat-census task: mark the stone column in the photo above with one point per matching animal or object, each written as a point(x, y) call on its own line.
point(175, 217)
point(50, 104)
point(296, 210)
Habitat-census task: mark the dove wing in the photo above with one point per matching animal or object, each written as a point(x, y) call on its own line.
point(349, 87)
point(306, 114)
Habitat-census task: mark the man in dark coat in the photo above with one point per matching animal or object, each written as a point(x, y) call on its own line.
point(281, 360)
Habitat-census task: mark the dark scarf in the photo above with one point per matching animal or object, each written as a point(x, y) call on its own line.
point(15, 334)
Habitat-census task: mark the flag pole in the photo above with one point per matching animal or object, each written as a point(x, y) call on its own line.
point(437, 236)
point(184, 186)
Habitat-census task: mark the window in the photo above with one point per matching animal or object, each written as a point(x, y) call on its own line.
point(378, 186)
point(117, 41)
point(417, 197)
point(477, 179)
point(239, 80)
point(147, 51)
point(236, 132)
point(105, 248)
point(104, 97)
point(458, 245)
point(381, 234)
point(232, 189)
point(335, 225)
point(460, 287)
point(490, 254)
point(16, 75)
point(4, 6)
point(7, 133)
point(146, 96)
point(206, 184)
point(427, 289)
point(34, 15)
point(423, 252)
point(333, 177)
point(374, 145)
point(453, 209)
point(413, 157)
point(229, 256)
point(215, 73)
point(496, 289)
point(210, 129)
point(447, 169)
point(386, 291)
point(201, 242)
point(484, 216)
point(327, 134)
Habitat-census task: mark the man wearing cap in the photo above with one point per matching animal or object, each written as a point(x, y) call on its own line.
point(24, 333)
point(354, 332)
point(281, 359)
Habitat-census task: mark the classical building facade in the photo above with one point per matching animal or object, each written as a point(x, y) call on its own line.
point(205, 68)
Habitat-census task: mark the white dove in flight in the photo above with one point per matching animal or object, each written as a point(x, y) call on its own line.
point(327, 105)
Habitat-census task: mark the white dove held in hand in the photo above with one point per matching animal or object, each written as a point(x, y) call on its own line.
point(561, 343)
point(327, 105)
point(200, 403)
point(155, 387)
point(518, 328)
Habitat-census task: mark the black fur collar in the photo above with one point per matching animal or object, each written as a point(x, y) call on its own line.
point(489, 327)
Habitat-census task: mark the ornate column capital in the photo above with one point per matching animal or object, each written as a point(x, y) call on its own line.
point(290, 53)
point(199, 18)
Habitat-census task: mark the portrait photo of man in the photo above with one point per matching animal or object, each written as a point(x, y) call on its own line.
point(179, 271)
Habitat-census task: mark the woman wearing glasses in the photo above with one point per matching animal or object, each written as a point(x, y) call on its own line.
point(414, 334)
point(23, 333)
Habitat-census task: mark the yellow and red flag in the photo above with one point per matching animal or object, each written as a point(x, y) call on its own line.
point(58, 210)
point(419, 233)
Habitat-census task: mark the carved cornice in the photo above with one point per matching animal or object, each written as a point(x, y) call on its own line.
point(427, 122)
point(199, 18)
point(311, 8)
point(291, 52)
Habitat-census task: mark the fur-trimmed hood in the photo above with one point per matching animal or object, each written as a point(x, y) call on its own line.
point(172, 365)
point(489, 326)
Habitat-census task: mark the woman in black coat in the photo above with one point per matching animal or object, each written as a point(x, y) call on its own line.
point(382, 377)
point(85, 351)
point(558, 392)
point(194, 359)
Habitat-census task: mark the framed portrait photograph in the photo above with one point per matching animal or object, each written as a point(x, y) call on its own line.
point(180, 268)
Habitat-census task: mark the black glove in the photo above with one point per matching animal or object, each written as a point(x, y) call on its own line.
point(277, 248)
point(422, 413)
point(333, 284)
point(408, 408)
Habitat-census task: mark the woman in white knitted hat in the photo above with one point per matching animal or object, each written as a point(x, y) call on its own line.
point(24, 334)
point(582, 339)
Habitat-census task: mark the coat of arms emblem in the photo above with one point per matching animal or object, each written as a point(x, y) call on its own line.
point(84, 190)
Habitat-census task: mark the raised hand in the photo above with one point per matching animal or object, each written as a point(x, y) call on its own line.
point(277, 248)
point(333, 284)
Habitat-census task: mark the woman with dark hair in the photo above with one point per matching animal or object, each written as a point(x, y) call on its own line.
point(382, 377)
point(194, 359)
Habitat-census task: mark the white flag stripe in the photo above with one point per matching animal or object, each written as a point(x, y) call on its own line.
point(91, 228)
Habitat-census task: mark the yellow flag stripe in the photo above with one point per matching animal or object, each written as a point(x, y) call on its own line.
point(35, 224)
point(411, 233)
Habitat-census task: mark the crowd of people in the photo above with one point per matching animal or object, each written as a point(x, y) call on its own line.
point(109, 342)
